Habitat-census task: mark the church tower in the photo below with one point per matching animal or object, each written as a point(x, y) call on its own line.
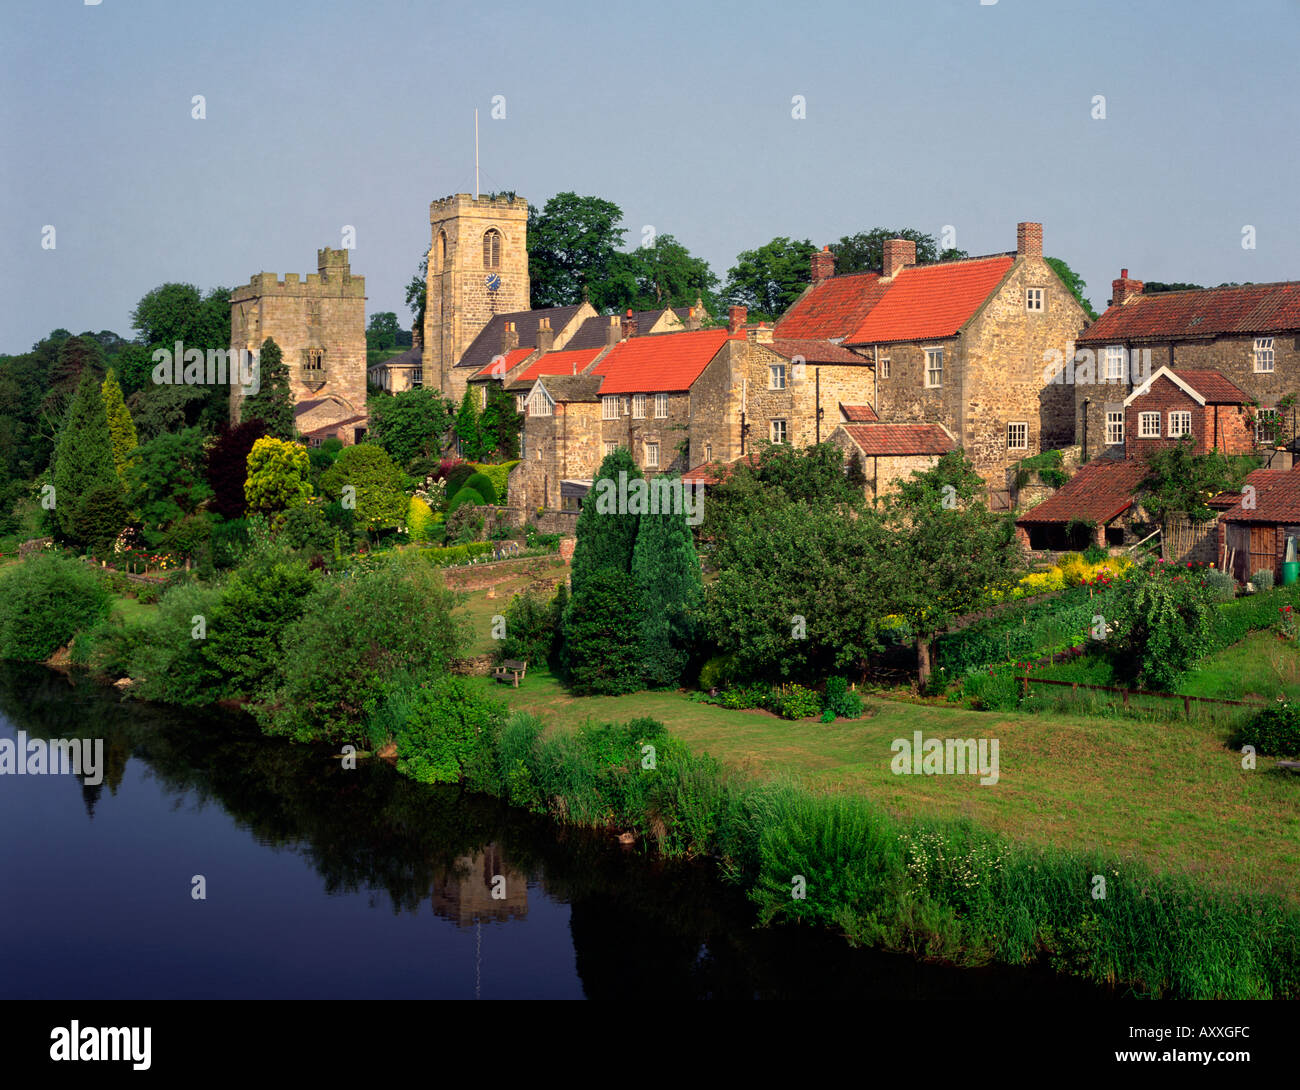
point(478, 267)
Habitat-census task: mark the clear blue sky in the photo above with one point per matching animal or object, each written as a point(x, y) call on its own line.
point(322, 113)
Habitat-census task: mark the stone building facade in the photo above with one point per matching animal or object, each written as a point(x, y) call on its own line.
point(319, 324)
point(477, 269)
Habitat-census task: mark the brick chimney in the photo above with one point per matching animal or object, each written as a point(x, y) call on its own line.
point(823, 265)
point(736, 318)
point(509, 337)
point(693, 318)
point(1123, 289)
point(899, 252)
point(615, 332)
point(1029, 239)
point(417, 335)
point(629, 324)
point(545, 335)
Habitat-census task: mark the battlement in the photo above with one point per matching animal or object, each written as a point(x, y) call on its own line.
point(459, 203)
point(336, 282)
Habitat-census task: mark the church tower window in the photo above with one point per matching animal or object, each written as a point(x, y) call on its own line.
point(492, 249)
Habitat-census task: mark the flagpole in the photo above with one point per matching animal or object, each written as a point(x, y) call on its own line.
point(476, 154)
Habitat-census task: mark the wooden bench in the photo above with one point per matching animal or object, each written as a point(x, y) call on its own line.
point(511, 670)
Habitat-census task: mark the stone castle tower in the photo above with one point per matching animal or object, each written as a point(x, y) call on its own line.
point(319, 323)
point(478, 267)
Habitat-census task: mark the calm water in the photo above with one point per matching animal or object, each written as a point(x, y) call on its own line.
point(328, 883)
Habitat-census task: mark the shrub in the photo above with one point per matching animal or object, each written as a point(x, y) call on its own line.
point(306, 527)
point(419, 519)
point(840, 701)
point(530, 628)
point(1222, 586)
point(499, 474)
point(1263, 580)
point(1095, 554)
point(599, 650)
point(450, 734)
point(466, 497)
point(719, 672)
point(47, 601)
point(166, 659)
point(456, 476)
point(1163, 624)
point(793, 701)
point(1273, 731)
point(481, 484)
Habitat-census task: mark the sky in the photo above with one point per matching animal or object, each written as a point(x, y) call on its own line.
point(321, 114)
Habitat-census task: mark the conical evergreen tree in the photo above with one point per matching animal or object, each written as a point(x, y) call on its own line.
point(666, 570)
point(606, 535)
point(273, 402)
point(468, 429)
point(121, 428)
point(88, 497)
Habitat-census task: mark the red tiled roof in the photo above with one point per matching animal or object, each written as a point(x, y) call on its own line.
point(1206, 312)
point(1277, 498)
point(888, 440)
point(928, 301)
point(1214, 387)
point(832, 308)
point(815, 351)
point(512, 359)
point(568, 362)
point(859, 414)
point(659, 363)
point(1098, 492)
point(713, 472)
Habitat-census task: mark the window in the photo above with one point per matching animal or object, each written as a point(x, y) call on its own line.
point(541, 404)
point(1180, 424)
point(610, 446)
point(1115, 363)
point(482, 398)
point(609, 407)
point(315, 359)
point(1114, 426)
point(638, 406)
point(492, 249)
point(519, 402)
point(1264, 354)
point(1265, 425)
point(440, 251)
point(776, 377)
point(652, 456)
point(884, 367)
point(1148, 425)
point(1017, 436)
point(933, 367)
point(661, 406)
point(417, 376)
point(708, 452)
point(1034, 298)
point(778, 431)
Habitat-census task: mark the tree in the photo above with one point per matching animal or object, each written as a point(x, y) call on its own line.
point(855, 474)
point(75, 356)
point(88, 499)
point(273, 402)
point(416, 289)
point(173, 313)
point(1158, 287)
point(1163, 619)
point(601, 659)
point(382, 331)
point(767, 280)
point(606, 536)
point(572, 241)
point(166, 482)
point(662, 274)
point(499, 424)
point(409, 424)
point(947, 552)
point(120, 428)
point(467, 428)
point(277, 475)
point(666, 571)
point(1179, 482)
point(380, 501)
point(866, 250)
point(227, 466)
point(1075, 283)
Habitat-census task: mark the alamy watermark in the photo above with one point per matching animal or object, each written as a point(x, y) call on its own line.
point(1113, 365)
point(183, 366)
point(57, 757)
point(661, 496)
point(946, 757)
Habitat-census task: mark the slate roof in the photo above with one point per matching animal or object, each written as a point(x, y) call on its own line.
point(815, 351)
point(1277, 498)
point(571, 387)
point(899, 440)
point(593, 333)
point(859, 414)
point(832, 308)
point(410, 358)
point(488, 343)
point(568, 362)
point(925, 302)
point(1098, 492)
point(1205, 312)
point(659, 363)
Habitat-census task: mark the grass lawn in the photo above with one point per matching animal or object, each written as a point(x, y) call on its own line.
point(1168, 792)
point(480, 609)
point(129, 609)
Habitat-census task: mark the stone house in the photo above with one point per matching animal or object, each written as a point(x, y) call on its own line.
point(319, 324)
point(1253, 533)
point(892, 452)
point(963, 344)
point(1248, 334)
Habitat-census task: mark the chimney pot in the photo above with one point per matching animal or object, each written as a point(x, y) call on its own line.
point(823, 265)
point(630, 325)
point(736, 318)
point(1123, 289)
point(899, 253)
point(545, 335)
point(509, 337)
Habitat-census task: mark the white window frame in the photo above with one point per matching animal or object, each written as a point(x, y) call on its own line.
point(1115, 363)
point(776, 376)
point(611, 445)
point(638, 406)
point(541, 404)
point(1265, 361)
point(609, 407)
point(1176, 431)
point(661, 406)
point(652, 456)
point(1114, 427)
point(884, 367)
point(784, 432)
point(520, 400)
point(933, 355)
point(483, 397)
point(1145, 421)
point(1024, 436)
point(708, 452)
point(1036, 300)
point(1260, 416)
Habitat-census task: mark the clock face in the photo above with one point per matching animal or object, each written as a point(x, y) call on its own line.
point(493, 282)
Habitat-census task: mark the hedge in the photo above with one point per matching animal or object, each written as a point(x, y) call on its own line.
point(498, 474)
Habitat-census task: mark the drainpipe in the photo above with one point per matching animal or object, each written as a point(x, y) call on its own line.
point(875, 374)
point(818, 397)
point(1086, 402)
